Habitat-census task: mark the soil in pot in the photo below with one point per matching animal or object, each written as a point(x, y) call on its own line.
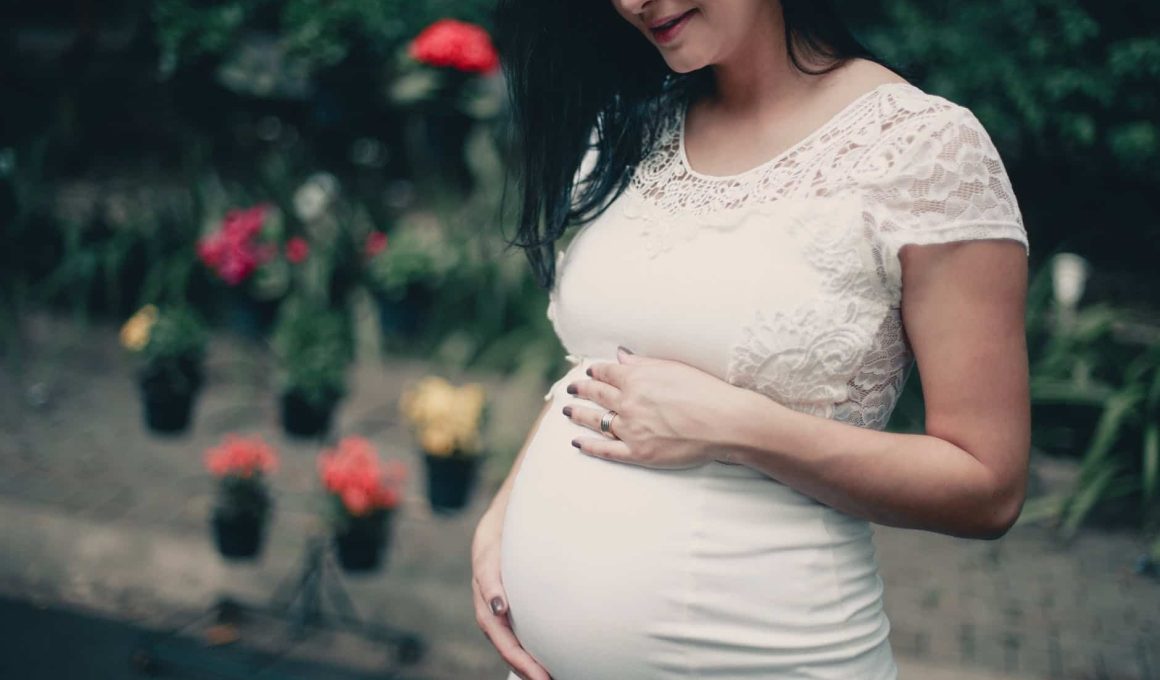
point(450, 480)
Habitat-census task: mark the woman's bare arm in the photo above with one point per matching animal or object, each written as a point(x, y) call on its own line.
point(963, 307)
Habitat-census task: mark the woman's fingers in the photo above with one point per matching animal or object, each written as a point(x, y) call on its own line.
point(497, 628)
point(590, 417)
point(605, 396)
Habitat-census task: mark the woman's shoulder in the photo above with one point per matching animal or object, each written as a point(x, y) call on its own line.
point(904, 107)
point(909, 124)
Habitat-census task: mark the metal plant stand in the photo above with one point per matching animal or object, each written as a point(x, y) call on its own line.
point(310, 601)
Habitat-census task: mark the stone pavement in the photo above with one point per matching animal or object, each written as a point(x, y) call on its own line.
point(96, 512)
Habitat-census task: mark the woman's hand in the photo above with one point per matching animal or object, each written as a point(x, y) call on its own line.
point(488, 589)
point(669, 414)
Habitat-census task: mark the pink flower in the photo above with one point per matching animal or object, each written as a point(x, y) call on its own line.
point(231, 251)
point(297, 250)
point(210, 250)
point(376, 243)
point(245, 223)
point(237, 265)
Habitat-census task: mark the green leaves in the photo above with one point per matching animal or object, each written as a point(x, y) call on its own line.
point(1088, 362)
point(1053, 76)
point(178, 333)
point(315, 346)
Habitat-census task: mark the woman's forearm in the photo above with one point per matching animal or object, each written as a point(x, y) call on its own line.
point(906, 480)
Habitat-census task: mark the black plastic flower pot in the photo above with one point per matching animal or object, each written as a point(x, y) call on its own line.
point(251, 318)
point(168, 396)
point(450, 480)
point(238, 536)
point(362, 543)
point(404, 318)
point(168, 413)
point(302, 417)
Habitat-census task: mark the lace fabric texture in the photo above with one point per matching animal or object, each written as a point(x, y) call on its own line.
point(897, 166)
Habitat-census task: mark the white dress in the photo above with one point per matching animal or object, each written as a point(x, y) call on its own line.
point(783, 279)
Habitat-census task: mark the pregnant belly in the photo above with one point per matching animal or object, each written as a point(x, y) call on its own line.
point(620, 571)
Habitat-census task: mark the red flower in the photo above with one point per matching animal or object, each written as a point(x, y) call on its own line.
point(376, 243)
point(241, 457)
point(352, 472)
point(297, 249)
point(454, 43)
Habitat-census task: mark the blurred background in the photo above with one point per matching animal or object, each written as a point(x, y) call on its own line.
point(265, 357)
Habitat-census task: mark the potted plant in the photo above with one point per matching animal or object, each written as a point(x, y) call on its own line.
point(363, 493)
point(314, 345)
point(449, 74)
point(405, 276)
point(243, 252)
point(446, 421)
point(241, 466)
point(170, 342)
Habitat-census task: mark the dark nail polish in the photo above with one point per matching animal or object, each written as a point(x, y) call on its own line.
point(568, 411)
point(572, 389)
point(625, 349)
point(575, 443)
point(589, 371)
point(496, 605)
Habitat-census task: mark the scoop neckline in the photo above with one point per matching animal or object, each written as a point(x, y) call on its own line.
point(682, 110)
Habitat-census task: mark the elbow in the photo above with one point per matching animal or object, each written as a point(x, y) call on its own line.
point(1000, 512)
point(999, 524)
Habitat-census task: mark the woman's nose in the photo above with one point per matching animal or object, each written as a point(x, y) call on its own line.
point(634, 8)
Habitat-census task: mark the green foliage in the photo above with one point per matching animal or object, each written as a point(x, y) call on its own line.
point(243, 496)
point(178, 333)
point(186, 29)
point(418, 253)
point(1083, 364)
point(1053, 79)
point(173, 352)
point(314, 346)
point(320, 33)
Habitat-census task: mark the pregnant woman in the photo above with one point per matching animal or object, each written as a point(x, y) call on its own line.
point(777, 227)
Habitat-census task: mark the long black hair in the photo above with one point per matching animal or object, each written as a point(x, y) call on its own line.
point(576, 69)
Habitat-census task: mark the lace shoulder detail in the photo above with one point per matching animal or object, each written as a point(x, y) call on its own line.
point(933, 179)
point(816, 166)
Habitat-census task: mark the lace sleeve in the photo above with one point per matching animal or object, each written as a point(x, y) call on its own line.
point(936, 179)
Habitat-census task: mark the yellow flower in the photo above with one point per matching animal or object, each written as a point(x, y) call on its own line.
point(135, 331)
point(445, 418)
point(437, 441)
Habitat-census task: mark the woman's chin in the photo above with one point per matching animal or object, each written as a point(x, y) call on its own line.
point(681, 65)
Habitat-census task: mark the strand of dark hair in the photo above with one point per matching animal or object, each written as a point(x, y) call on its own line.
point(575, 70)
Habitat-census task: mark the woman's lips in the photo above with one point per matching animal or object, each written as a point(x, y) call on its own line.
point(668, 33)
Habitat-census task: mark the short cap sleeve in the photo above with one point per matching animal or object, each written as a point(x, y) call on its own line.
point(934, 179)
